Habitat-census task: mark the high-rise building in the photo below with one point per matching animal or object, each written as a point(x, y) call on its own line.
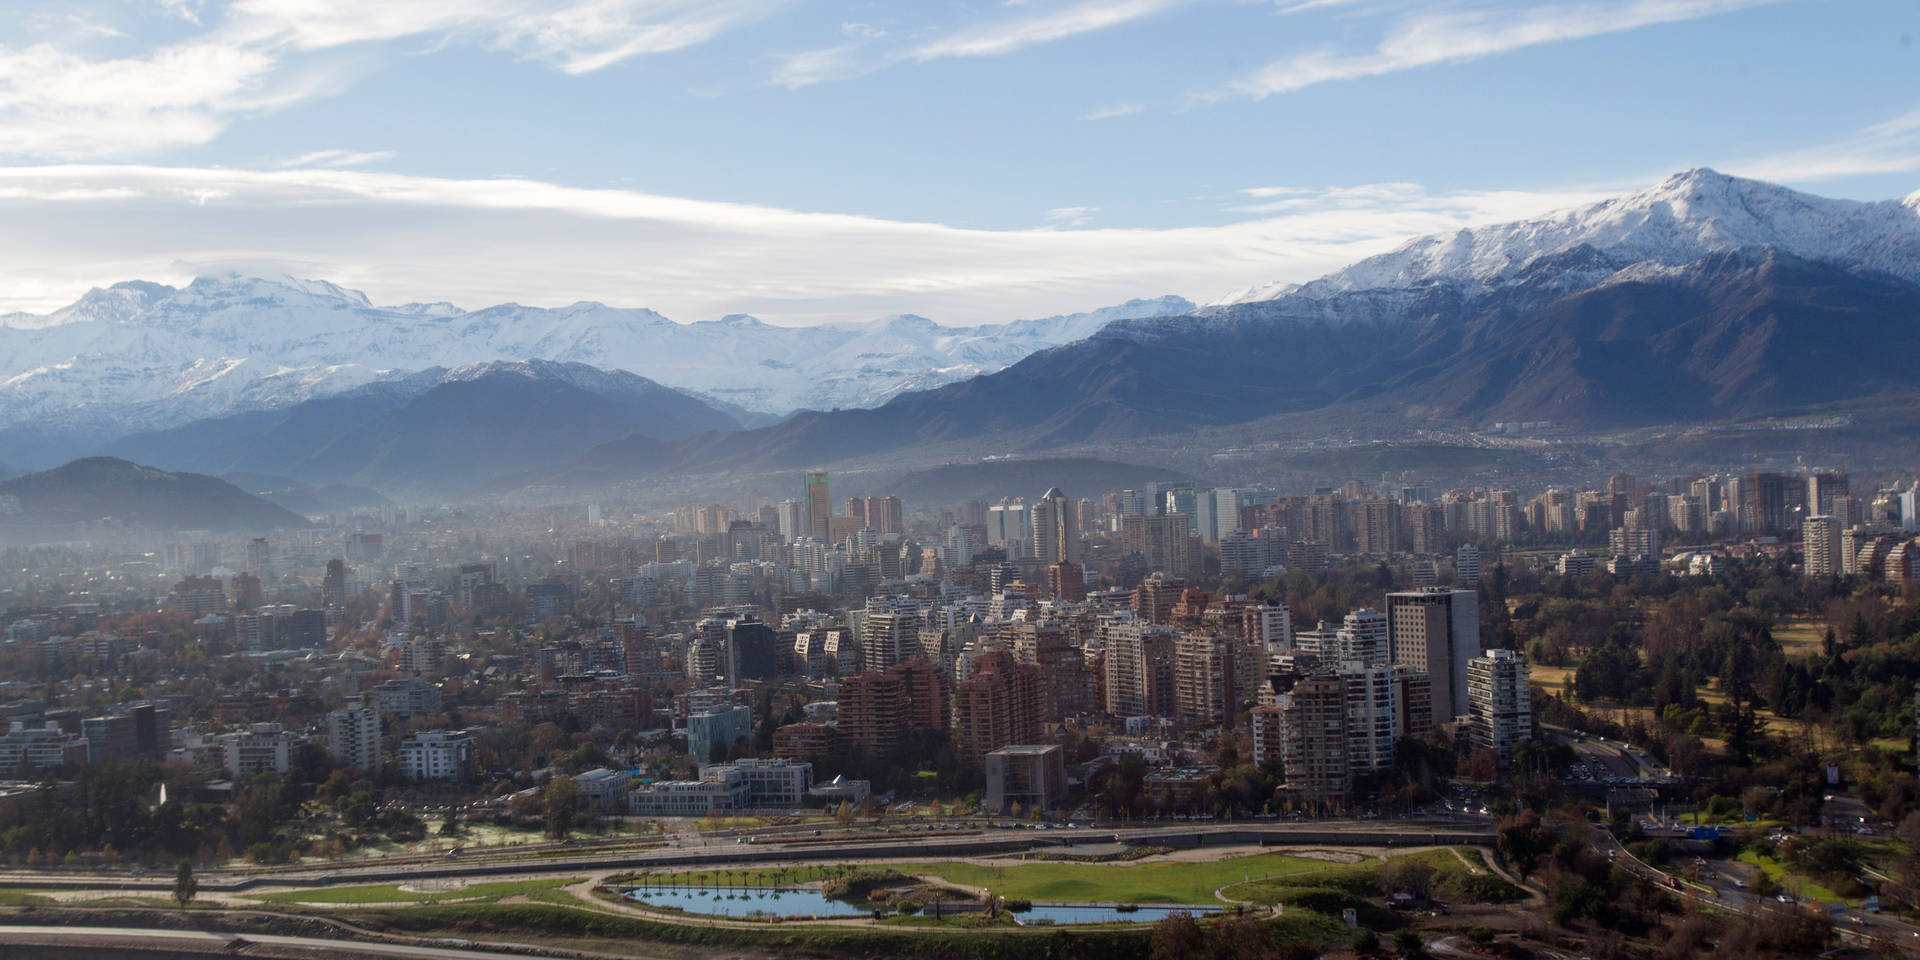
point(819, 505)
point(873, 713)
point(1436, 631)
point(1056, 528)
point(888, 638)
point(1763, 503)
point(1820, 546)
point(1376, 527)
point(1138, 664)
point(1206, 689)
point(750, 646)
point(1313, 737)
point(333, 589)
point(884, 515)
point(1161, 540)
point(1373, 723)
point(1499, 704)
point(1365, 636)
point(998, 705)
point(353, 736)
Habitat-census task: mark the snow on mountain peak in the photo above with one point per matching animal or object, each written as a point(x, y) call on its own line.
point(1681, 219)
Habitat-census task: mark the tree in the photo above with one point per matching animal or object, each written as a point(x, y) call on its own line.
point(563, 800)
point(1177, 936)
point(184, 884)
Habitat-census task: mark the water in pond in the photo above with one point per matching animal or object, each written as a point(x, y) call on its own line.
point(1065, 913)
point(747, 902)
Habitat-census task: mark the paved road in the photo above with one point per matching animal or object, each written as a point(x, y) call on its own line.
point(1359, 833)
point(110, 939)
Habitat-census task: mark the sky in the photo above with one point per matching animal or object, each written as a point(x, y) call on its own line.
point(972, 162)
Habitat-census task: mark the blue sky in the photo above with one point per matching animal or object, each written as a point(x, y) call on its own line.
point(968, 161)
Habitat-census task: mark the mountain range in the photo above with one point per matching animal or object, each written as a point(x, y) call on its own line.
point(1702, 298)
point(1661, 306)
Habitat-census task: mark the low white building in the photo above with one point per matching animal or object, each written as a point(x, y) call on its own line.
point(725, 790)
point(602, 787)
point(437, 755)
point(770, 782)
point(260, 748)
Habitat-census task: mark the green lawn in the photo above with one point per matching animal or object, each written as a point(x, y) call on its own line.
point(1045, 882)
point(391, 892)
point(1797, 884)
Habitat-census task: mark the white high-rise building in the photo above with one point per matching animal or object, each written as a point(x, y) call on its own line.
point(1437, 631)
point(353, 736)
point(1499, 702)
point(1820, 546)
point(1466, 566)
point(1364, 637)
point(1372, 720)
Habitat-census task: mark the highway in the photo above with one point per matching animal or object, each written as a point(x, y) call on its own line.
point(828, 848)
point(108, 941)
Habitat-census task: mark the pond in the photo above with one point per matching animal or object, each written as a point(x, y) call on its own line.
point(1064, 913)
point(747, 901)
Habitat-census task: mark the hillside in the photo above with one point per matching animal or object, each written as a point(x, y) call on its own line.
point(51, 502)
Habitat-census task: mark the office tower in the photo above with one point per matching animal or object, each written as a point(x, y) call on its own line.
point(1499, 703)
point(260, 558)
point(750, 647)
point(1161, 540)
point(1820, 546)
point(819, 505)
point(791, 519)
point(1909, 501)
point(353, 736)
point(1056, 528)
point(856, 509)
point(1466, 566)
point(1763, 503)
point(1007, 527)
point(1373, 724)
point(1822, 488)
point(1313, 737)
point(998, 705)
point(333, 589)
point(1436, 631)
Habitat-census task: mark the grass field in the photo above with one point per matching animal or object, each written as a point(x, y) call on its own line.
point(1117, 883)
point(1050, 881)
point(1793, 883)
point(391, 893)
point(1800, 636)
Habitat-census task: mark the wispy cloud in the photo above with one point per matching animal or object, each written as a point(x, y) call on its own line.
point(1071, 216)
point(338, 158)
point(406, 237)
point(1007, 36)
point(1892, 146)
point(1427, 39)
point(56, 102)
point(1113, 110)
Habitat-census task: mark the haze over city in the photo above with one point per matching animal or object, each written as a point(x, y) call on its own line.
point(1067, 479)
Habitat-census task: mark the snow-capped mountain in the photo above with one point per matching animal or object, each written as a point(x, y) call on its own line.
point(141, 355)
point(1688, 216)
